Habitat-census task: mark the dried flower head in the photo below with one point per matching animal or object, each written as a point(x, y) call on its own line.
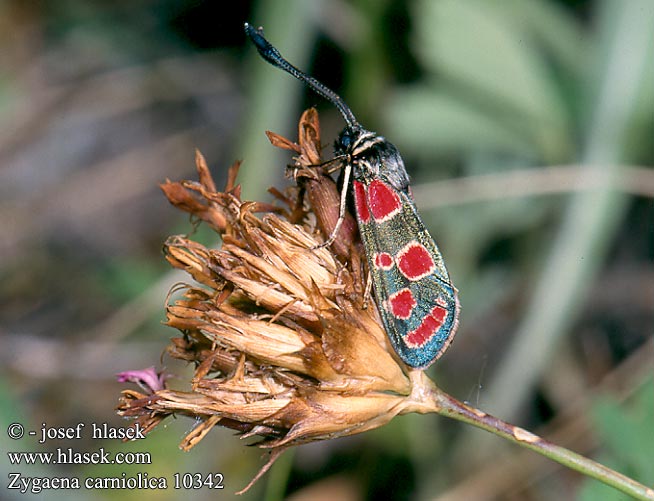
point(285, 343)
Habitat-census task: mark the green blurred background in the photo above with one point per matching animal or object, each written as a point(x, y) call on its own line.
point(527, 127)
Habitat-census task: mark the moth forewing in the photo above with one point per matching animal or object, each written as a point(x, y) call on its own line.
point(412, 288)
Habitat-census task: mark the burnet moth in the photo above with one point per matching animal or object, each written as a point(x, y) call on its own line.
point(416, 299)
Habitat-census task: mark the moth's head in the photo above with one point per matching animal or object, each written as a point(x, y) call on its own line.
point(347, 139)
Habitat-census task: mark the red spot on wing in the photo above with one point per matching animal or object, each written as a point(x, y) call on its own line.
point(383, 260)
point(415, 261)
point(383, 201)
point(427, 328)
point(360, 202)
point(401, 304)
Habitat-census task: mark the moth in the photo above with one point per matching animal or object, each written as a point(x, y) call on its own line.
point(414, 294)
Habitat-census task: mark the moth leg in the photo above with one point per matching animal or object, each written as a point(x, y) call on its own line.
point(347, 172)
point(300, 170)
point(331, 166)
point(367, 291)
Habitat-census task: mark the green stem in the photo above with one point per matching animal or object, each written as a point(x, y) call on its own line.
point(427, 397)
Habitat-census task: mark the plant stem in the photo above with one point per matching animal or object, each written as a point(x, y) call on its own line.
point(427, 397)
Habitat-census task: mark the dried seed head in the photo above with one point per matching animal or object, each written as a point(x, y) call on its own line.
point(283, 344)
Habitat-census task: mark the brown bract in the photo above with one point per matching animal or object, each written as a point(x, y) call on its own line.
point(285, 345)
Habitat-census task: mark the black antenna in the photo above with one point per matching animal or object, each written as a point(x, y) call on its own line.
point(272, 55)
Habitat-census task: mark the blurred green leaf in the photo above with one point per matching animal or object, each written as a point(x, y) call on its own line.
point(474, 43)
point(558, 32)
point(484, 52)
point(126, 279)
point(426, 120)
point(627, 432)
